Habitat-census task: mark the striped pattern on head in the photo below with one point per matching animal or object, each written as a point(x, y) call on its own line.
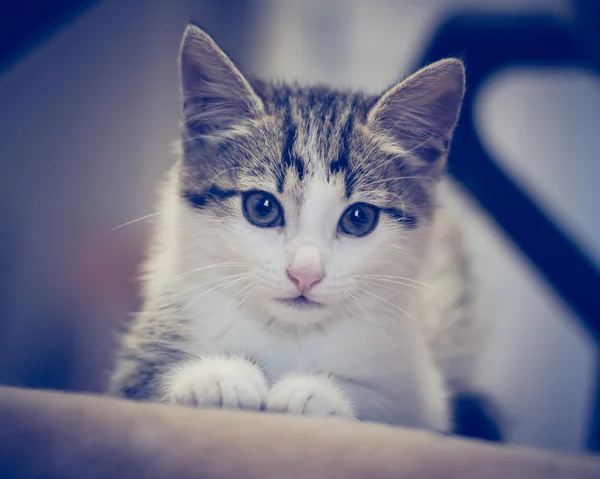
point(316, 151)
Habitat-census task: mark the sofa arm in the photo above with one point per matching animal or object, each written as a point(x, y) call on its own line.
point(58, 435)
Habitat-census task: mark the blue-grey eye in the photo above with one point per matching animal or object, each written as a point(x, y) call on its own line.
point(262, 209)
point(359, 219)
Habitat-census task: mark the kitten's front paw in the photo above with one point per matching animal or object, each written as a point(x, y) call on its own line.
point(309, 395)
point(229, 383)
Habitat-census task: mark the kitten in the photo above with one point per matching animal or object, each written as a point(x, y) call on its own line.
point(303, 261)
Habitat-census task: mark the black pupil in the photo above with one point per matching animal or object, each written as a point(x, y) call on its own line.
point(264, 207)
point(358, 217)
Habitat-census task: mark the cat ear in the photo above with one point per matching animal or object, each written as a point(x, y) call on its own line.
point(215, 94)
point(420, 113)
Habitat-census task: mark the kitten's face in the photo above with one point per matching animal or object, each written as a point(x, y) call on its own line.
point(312, 195)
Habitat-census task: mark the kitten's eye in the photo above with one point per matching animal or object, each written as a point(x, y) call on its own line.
point(262, 209)
point(359, 219)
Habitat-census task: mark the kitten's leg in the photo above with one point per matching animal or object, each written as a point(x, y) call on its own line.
point(140, 367)
point(217, 382)
point(154, 365)
point(314, 395)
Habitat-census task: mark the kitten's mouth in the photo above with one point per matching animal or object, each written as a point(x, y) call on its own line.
point(300, 302)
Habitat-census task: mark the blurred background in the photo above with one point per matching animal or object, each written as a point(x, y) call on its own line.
point(89, 115)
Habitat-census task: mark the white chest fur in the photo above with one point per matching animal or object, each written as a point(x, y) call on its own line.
point(384, 364)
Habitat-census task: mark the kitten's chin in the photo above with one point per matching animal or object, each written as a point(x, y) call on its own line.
point(297, 311)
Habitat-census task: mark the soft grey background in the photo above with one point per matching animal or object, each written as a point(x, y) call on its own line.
point(87, 123)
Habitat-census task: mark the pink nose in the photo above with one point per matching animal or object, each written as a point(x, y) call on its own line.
point(304, 279)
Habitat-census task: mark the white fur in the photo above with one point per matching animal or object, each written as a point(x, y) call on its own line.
point(231, 383)
point(314, 395)
point(375, 349)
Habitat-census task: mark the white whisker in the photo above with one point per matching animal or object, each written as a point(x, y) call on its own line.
point(420, 323)
point(239, 295)
point(219, 286)
point(247, 296)
point(372, 320)
point(210, 266)
point(401, 280)
point(391, 288)
point(142, 218)
point(207, 282)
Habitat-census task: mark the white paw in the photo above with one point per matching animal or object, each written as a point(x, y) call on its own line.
point(309, 395)
point(228, 383)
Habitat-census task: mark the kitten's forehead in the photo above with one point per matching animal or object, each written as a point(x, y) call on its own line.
point(317, 128)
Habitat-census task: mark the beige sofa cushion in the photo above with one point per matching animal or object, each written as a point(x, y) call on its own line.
point(56, 435)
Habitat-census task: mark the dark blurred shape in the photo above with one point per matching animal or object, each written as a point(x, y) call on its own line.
point(588, 23)
point(24, 23)
point(51, 368)
point(588, 20)
point(477, 417)
point(489, 43)
point(8, 257)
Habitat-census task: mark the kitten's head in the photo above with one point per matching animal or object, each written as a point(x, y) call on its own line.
point(312, 192)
